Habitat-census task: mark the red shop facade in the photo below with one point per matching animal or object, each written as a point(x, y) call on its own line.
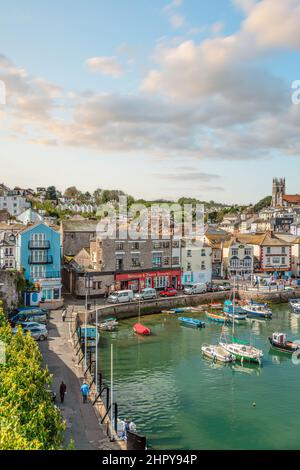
point(157, 279)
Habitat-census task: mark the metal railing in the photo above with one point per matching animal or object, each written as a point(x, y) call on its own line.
point(39, 245)
point(42, 260)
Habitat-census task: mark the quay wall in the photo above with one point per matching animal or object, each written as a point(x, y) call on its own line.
point(129, 310)
point(9, 291)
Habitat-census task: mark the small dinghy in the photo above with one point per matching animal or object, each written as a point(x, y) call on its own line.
point(140, 329)
point(217, 317)
point(217, 353)
point(192, 322)
point(278, 341)
point(109, 326)
point(238, 317)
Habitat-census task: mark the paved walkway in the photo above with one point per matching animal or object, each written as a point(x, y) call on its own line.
point(82, 422)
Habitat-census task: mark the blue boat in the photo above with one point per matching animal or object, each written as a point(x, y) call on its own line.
point(257, 311)
point(191, 322)
point(230, 308)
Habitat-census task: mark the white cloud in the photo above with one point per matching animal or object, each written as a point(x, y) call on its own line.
point(173, 5)
point(244, 5)
point(105, 66)
point(177, 21)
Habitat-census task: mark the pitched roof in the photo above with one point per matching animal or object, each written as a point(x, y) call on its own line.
point(292, 198)
point(84, 225)
point(263, 239)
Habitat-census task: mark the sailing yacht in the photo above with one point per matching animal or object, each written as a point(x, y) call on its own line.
point(239, 349)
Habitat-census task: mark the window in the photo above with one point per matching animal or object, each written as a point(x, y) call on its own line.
point(283, 261)
point(37, 272)
point(166, 244)
point(39, 256)
point(189, 253)
point(135, 260)
point(247, 262)
point(97, 285)
point(276, 260)
point(156, 245)
point(234, 251)
point(268, 250)
point(119, 264)
point(175, 244)
point(268, 260)
point(175, 260)
point(135, 246)
point(283, 250)
point(248, 251)
point(47, 294)
point(156, 260)
point(189, 267)
point(120, 246)
point(235, 262)
point(166, 261)
point(203, 265)
point(161, 282)
point(203, 253)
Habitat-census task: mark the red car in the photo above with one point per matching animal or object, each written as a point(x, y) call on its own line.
point(169, 292)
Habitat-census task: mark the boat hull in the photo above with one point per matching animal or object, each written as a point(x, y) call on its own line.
point(288, 348)
point(142, 330)
point(217, 318)
point(191, 322)
point(242, 356)
point(217, 353)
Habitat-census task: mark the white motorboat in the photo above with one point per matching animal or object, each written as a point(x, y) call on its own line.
point(217, 353)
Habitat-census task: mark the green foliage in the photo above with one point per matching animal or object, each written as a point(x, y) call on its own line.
point(51, 193)
point(29, 420)
point(263, 203)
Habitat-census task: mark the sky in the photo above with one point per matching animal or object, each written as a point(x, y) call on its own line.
point(160, 99)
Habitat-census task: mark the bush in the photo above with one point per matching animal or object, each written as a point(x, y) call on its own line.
point(28, 418)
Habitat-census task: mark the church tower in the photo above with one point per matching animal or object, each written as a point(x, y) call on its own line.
point(278, 191)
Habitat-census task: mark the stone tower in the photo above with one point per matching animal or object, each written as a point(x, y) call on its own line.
point(278, 191)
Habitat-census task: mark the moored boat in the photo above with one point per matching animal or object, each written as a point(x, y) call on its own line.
point(243, 351)
point(238, 317)
point(259, 311)
point(140, 329)
point(109, 326)
point(192, 322)
point(230, 307)
point(217, 317)
point(278, 341)
point(217, 353)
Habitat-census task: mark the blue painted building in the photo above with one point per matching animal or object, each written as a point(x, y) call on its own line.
point(38, 254)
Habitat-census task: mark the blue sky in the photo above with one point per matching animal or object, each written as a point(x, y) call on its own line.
point(160, 99)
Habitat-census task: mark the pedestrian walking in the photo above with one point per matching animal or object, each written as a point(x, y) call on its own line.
point(64, 314)
point(62, 391)
point(85, 390)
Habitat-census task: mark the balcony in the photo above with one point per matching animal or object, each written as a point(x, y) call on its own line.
point(48, 275)
point(39, 245)
point(43, 260)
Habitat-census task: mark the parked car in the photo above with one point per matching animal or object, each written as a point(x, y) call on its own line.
point(225, 286)
point(28, 310)
point(146, 294)
point(210, 287)
point(169, 292)
point(38, 333)
point(29, 325)
point(37, 316)
point(121, 296)
point(196, 288)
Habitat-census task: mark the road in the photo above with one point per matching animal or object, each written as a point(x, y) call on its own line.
point(82, 423)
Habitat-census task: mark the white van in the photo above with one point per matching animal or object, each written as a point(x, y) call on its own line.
point(120, 296)
point(146, 294)
point(195, 288)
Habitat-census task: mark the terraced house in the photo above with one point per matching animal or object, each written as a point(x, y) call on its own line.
point(38, 255)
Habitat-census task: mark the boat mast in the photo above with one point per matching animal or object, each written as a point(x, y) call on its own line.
point(112, 390)
point(233, 307)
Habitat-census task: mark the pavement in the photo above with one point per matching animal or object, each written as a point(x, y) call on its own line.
point(82, 424)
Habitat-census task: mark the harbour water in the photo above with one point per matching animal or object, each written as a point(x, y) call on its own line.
point(180, 400)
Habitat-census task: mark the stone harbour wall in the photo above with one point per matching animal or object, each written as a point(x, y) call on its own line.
point(9, 291)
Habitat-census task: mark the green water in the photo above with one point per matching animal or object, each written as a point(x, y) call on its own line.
point(180, 400)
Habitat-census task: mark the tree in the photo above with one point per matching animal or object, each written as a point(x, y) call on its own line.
point(29, 421)
point(51, 193)
point(263, 203)
point(72, 191)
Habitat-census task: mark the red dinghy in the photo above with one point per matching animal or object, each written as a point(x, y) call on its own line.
point(141, 329)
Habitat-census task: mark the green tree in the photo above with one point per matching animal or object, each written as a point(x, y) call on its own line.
point(263, 203)
point(29, 421)
point(51, 193)
point(72, 191)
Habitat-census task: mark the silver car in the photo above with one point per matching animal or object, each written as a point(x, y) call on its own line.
point(38, 333)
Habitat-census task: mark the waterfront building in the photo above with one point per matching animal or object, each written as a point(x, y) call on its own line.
point(238, 259)
point(76, 234)
point(196, 262)
point(38, 255)
point(273, 252)
point(215, 238)
point(126, 263)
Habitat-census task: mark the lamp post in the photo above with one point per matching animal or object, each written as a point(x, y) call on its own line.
point(85, 331)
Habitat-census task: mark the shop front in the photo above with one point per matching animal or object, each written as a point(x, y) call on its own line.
point(137, 281)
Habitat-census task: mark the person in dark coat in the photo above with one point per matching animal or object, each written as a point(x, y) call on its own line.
point(62, 391)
